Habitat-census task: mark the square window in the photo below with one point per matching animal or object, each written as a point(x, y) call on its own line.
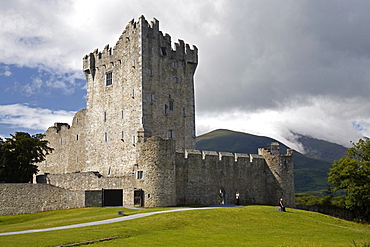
point(108, 79)
point(139, 175)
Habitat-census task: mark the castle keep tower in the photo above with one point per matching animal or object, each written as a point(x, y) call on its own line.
point(135, 142)
point(141, 87)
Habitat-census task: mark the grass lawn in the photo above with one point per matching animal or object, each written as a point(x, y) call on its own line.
point(238, 226)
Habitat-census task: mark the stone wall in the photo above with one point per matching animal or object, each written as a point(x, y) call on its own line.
point(168, 177)
point(90, 181)
point(201, 176)
point(69, 143)
point(197, 177)
point(157, 162)
point(33, 198)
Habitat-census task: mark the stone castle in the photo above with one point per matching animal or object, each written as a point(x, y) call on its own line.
point(134, 144)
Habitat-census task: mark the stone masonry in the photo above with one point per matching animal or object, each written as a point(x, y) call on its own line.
point(138, 133)
point(32, 198)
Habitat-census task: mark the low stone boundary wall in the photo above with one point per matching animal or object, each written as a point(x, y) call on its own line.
point(329, 210)
point(32, 198)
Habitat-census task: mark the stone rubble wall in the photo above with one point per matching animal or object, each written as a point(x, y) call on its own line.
point(32, 198)
point(86, 181)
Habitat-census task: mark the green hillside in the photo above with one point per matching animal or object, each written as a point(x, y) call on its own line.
point(310, 174)
point(235, 226)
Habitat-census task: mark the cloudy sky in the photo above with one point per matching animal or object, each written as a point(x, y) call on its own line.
point(266, 67)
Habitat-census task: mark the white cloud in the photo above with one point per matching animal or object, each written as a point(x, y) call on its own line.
point(6, 71)
point(267, 67)
point(23, 116)
point(321, 119)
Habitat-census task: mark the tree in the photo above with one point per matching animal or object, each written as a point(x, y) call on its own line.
point(352, 173)
point(18, 156)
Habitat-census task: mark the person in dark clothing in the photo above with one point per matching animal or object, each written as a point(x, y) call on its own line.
point(282, 205)
point(237, 198)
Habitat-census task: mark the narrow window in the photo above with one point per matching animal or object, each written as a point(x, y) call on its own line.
point(133, 140)
point(106, 137)
point(152, 98)
point(151, 72)
point(171, 105)
point(171, 134)
point(165, 108)
point(163, 51)
point(122, 135)
point(76, 137)
point(133, 93)
point(174, 64)
point(139, 174)
point(105, 116)
point(176, 80)
point(184, 112)
point(133, 63)
point(109, 170)
point(122, 114)
point(61, 141)
point(108, 78)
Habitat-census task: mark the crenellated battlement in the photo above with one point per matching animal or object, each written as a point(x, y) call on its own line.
point(205, 154)
point(136, 34)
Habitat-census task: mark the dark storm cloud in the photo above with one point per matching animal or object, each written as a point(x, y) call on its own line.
point(274, 51)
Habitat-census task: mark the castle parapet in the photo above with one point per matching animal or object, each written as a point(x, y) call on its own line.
point(181, 51)
point(191, 152)
point(241, 157)
point(60, 126)
point(225, 154)
point(208, 153)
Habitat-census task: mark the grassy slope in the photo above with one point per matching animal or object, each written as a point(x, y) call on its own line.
point(310, 174)
point(242, 226)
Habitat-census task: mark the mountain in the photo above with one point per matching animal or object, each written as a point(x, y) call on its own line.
point(320, 149)
point(309, 172)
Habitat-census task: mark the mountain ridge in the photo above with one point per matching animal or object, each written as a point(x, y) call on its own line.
point(310, 172)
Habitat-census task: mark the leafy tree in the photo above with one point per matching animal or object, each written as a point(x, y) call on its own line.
point(352, 173)
point(18, 156)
